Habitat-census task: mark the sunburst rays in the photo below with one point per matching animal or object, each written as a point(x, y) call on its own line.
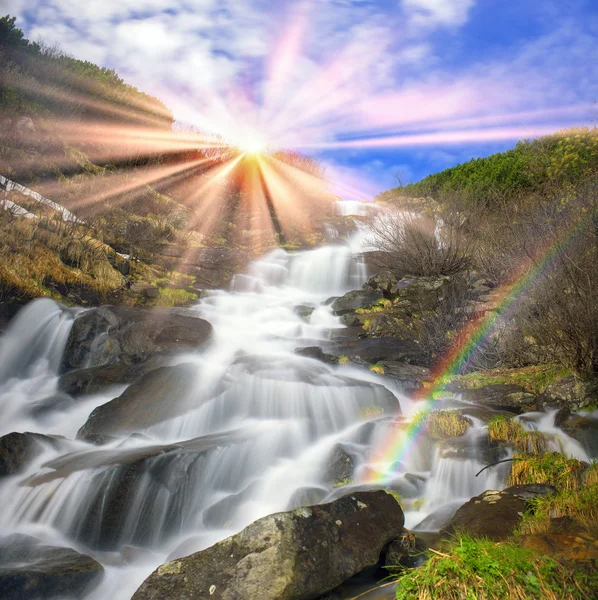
point(229, 170)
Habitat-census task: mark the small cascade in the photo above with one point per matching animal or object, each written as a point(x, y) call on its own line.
point(558, 440)
point(30, 355)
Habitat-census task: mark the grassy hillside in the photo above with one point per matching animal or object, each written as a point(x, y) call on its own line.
point(566, 157)
point(526, 221)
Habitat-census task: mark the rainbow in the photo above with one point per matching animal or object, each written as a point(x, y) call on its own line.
point(399, 442)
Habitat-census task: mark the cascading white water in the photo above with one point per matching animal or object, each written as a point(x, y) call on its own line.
point(259, 439)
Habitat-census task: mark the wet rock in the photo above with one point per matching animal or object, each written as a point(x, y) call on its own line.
point(353, 300)
point(31, 569)
point(112, 335)
point(409, 374)
point(492, 514)
point(307, 496)
point(585, 430)
point(18, 449)
point(340, 466)
point(531, 491)
point(510, 398)
point(58, 402)
point(483, 449)
point(561, 416)
point(303, 311)
point(158, 395)
point(402, 550)
point(96, 379)
point(317, 353)
point(375, 350)
point(351, 320)
point(295, 555)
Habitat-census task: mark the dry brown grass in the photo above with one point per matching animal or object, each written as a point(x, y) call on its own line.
point(443, 424)
point(551, 467)
point(505, 429)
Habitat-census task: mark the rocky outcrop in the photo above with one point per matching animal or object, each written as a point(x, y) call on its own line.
point(374, 350)
point(30, 569)
point(570, 392)
point(114, 344)
point(295, 555)
point(507, 397)
point(353, 300)
point(158, 395)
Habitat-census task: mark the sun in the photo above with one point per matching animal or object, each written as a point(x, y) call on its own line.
point(252, 143)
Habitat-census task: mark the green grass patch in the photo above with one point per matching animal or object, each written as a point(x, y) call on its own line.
point(551, 467)
point(479, 569)
point(170, 297)
point(533, 379)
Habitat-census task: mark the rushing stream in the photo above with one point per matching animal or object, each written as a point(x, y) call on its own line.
point(264, 428)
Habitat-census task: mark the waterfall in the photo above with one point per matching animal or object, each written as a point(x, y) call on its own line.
point(258, 437)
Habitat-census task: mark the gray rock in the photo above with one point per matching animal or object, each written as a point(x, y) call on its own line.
point(18, 449)
point(382, 283)
point(158, 395)
point(401, 549)
point(317, 353)
point(492, 514)
point(532, 490)
point(405, 372)
point(295, 555)
point(340, 466)
point(423, 293)
point(30, 569)
point(375, 350)
point(303, 311)
point(570, 392)
point(110, 334)
point(353, 300)
point(507, 397)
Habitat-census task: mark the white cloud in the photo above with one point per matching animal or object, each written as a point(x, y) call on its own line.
point(435, 13)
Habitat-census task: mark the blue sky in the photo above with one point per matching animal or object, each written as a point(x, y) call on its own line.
point(372, 88)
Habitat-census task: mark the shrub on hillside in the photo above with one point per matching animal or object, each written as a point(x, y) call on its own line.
point(418, 245)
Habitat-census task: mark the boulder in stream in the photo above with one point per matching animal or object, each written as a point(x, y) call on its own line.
point(295, 555)
point(116, 344)
point(156, 396)
point(31, 569)
point(18, 449)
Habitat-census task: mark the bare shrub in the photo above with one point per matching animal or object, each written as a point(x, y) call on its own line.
point(559, 311)
point(418, 245)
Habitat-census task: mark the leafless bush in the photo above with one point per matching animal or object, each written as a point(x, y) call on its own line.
point(421, 246)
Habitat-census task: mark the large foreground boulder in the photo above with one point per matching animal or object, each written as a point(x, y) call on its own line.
point(495, 514)
point(295, 555)
point(30, 569)
point(116, 344)
point(158, 395)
